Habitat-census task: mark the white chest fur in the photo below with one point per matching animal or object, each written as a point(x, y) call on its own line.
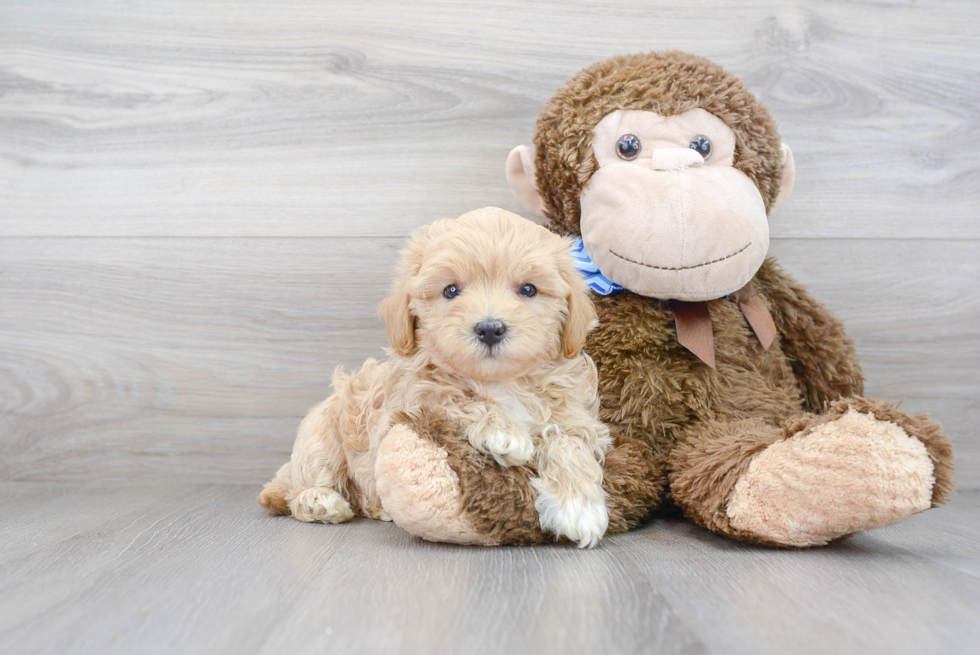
point(515, 406)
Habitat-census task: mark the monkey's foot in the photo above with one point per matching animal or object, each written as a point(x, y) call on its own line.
point(834, 478)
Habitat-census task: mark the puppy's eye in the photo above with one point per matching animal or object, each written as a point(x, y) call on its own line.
point(701, 145)
point(451, 291)
point(629, 147)
point(528, 290)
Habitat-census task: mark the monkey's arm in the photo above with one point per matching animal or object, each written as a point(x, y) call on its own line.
point(814, 340)
point(436, 485)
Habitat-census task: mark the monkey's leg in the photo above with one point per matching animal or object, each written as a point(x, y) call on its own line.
point(434, 484)
point(862, 464)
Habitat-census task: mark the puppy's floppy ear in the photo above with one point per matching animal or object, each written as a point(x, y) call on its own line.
point(582, 318)
point(395, 310)
point(399, 322)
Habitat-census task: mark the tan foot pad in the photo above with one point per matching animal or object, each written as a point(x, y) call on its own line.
point(844, 476)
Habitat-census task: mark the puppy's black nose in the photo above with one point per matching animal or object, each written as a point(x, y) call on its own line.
point(490, 332)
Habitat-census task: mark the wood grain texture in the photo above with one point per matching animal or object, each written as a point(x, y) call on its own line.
point(304, 118)
point(195, 358)
point(172, 355)
point(133, 344)
point(201, 569)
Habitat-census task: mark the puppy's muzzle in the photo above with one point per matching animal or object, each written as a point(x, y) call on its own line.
point(490, 332)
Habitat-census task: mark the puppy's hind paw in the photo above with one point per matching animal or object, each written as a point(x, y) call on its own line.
point(319, 504)
point(509, 449)
point(582, 520)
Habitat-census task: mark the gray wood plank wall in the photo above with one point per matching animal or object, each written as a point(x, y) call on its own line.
point(200, 203)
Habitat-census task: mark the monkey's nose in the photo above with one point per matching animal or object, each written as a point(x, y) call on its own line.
point(675, 159)
point(490, 332)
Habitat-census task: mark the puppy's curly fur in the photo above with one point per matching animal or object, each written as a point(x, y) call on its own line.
point(529, 398)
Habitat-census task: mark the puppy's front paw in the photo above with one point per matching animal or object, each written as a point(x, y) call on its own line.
point(509, 449)
point(581, 519)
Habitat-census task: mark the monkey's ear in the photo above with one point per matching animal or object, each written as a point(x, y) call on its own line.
point(522, 180)
point(789, 176)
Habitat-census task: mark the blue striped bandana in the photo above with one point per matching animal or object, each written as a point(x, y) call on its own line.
point(593, 276)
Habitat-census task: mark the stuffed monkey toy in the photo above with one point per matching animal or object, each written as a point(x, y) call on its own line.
point(732, 393)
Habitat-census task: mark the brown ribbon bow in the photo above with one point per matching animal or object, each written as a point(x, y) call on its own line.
point(693, 323)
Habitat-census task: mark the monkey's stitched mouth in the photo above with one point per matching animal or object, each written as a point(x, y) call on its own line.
point(681, 268)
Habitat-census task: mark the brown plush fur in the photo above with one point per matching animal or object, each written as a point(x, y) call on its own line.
point(707, 466)
point(813, 340)
point(673, 414)
point(652, 388)
point(665, 82)
point(634, 482)
point(499, 502)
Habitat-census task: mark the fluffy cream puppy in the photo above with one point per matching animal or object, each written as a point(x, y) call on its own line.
point(487, 319)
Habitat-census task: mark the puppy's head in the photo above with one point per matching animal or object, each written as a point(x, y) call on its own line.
point(488, 295)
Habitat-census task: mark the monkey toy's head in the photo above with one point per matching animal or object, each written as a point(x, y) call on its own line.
point(667, 168)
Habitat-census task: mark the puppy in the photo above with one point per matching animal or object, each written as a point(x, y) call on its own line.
point(487, 319)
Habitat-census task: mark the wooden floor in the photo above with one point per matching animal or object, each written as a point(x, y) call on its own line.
point(126, 568)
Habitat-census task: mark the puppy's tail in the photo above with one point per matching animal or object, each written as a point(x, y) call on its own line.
point(273, 496)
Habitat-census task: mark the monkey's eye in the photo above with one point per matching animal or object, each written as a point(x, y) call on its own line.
point(528, 290)
point(701, 145)
point(451, 291)
point(628, 147)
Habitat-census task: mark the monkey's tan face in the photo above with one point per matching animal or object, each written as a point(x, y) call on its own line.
point(667, 215)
